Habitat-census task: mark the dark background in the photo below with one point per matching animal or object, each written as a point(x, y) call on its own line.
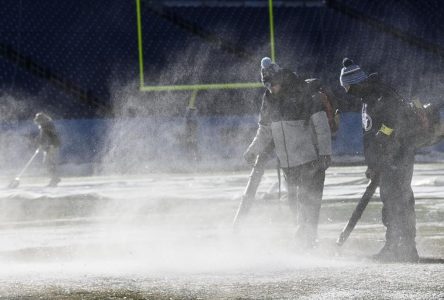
point(79, 59)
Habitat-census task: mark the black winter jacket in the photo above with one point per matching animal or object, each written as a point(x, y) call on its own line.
point(385, 123)
point(48, 136)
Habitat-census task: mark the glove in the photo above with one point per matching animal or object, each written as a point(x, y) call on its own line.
point(324, 162)
point(250, 157)
point(370, 173)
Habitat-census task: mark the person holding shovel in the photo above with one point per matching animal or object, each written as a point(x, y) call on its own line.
point(389, 151)
point(297, 125)
point(49, 144)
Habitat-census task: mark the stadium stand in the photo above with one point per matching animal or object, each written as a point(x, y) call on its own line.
point(79, 62)
point(86, 50)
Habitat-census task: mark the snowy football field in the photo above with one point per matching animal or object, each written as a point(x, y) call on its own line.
point(169, 236)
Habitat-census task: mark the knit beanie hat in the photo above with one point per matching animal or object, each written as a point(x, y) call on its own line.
point(268, 70)
point(351, 73)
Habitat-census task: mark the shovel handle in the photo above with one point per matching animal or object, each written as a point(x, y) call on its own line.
point(28, 163)
point(357, 213)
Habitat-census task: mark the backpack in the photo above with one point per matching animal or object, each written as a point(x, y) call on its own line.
point(424, 121)
point(328, 103)
point(428, 129)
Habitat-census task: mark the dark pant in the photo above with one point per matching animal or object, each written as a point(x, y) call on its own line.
point(51, 161)
point(398, 212)
point(305, 188)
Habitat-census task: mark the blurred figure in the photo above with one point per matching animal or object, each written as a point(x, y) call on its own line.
point(292, 117)
point(389, 150)
point(191, 131)
point(49, 144)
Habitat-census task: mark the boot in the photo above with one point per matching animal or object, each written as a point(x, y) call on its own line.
point(386, 254)
point(399, 252)
point(306, 239)
point(406, 252)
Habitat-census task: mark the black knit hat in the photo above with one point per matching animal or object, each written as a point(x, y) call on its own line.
point(351, 73)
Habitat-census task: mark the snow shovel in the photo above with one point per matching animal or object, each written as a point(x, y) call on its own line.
point(250, 191)
point(253, 183)
point(357, 213)
point(15, 183)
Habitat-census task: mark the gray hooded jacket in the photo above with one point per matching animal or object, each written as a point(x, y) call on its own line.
point(295, 121)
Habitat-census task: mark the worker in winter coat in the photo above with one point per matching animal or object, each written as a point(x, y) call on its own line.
point(49, 144)
point(299, 129)
point(389, 150)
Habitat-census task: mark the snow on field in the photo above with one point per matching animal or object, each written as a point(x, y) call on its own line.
point(162, 236)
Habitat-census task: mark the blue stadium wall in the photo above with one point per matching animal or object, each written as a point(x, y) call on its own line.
point(153, 144)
